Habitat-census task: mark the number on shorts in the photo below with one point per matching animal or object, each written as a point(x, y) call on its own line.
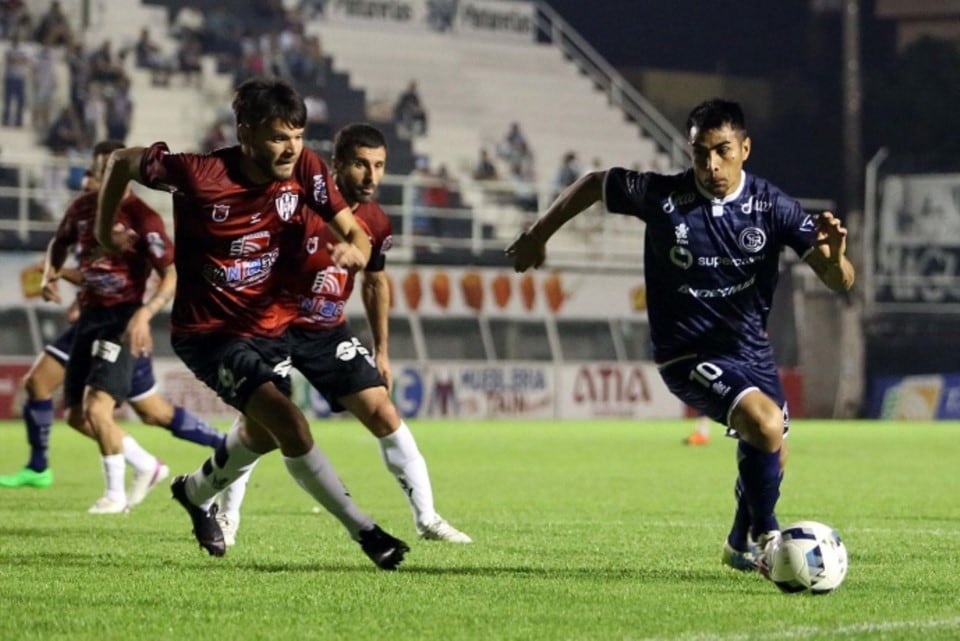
point(705, 373)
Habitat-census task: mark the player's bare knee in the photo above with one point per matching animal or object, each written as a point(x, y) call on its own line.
point(384, 418)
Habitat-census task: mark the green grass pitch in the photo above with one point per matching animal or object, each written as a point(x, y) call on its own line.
point(584, 530)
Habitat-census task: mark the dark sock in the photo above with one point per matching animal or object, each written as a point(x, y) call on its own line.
point(760, 477)
point(741, 520)
point(192, 428)
point(38, 416)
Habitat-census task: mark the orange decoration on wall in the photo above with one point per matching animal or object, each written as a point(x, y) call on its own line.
point(441, 289)
point(553, 290)
point(528, 291)
point(412, 290)
point(472, 286)
point(501, 290)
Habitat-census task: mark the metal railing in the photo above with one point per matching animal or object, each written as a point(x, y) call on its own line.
point(619, 91)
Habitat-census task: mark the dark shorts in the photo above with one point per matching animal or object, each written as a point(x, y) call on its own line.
point(334, 361)
point(98, 356)
point(235, 366)
point(142, 384)
point(714, 385)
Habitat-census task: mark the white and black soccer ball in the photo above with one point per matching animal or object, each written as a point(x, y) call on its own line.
point(811, 557)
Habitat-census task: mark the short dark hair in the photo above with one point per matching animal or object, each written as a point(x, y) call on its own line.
point(258, 101)
point(107, 147)
point(715, 113)
point(357, 134)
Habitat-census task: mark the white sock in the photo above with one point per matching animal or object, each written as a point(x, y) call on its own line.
point(229, 462)
point(314, 473)
point(402, 457)
point(231, 498)
point(114, 471)
point(136, 456)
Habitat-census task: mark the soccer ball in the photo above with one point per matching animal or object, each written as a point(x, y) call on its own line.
point(811, 557)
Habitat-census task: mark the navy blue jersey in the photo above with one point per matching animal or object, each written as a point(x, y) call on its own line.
point(711, 264)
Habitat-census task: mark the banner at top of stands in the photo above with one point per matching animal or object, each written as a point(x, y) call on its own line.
point(487, 18)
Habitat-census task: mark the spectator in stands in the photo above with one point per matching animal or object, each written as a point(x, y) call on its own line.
point(567, 173)
point(318, 117)
point(16, 70)
point(514, 148)
point(485, 169)
point(79, 67)
point(103, 68)
point(94, 114)
point(147, 55)
point(66, 133)
point(44, 86)
point(409, 113)
point(188, 23)
point(54, 29)
point(11, 12)
point(215, 138)
point(188, 60)
point(119, 110)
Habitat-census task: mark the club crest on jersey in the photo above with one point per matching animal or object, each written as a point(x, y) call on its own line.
point(320, 189)
point(220, 213)
point(156, 244)
point(313, 243)
point(752, 239)
point(287, 205)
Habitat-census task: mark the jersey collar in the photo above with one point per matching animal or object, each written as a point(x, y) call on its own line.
point(729, 198)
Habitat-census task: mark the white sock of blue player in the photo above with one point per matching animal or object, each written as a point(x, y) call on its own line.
point(114, 473)
point(231, 461)
point(402, 457)
point(138, 458)
point(760, 473)
point(315, 474)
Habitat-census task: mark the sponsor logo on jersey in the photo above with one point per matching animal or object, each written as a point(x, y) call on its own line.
point(754, 204)
point(752, 239)
point(807, 224)
point(330, 282)
point(319, 308)
point(674, 200)
point(681, 257)
point(719, 292)
point(286, 204)
point(219, 213)
point(320, 195)
point(250, 244)
point(241, 273)
point(729, 261)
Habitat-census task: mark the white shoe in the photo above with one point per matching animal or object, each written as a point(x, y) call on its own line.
point(440, 530)
point(144, 481)
point(107, 505)
point(229, 528)
point(767, 543)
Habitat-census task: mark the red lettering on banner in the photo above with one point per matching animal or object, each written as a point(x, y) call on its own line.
point(610, 384)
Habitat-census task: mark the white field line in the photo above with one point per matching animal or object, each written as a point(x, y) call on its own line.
point(806, 632)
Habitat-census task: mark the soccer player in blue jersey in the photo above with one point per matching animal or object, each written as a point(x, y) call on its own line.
point(711, 253)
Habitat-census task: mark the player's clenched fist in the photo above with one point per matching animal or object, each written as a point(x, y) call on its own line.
point(527, 251)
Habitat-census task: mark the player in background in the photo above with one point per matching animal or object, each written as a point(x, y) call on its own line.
point(48, 371)
point(114, 323)
point(47, 374)
point(235, 210)
point(326, 351)
point(711, 252)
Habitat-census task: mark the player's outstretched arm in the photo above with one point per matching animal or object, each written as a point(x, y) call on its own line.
point(530, 248)
point(122, 167)
point(828, 258)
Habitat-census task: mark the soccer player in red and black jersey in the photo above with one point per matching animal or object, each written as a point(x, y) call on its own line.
point(114, 325)
point(235, 210)
point(324, 348)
